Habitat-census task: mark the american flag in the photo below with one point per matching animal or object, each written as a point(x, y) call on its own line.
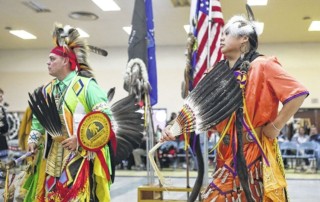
point(200, 55)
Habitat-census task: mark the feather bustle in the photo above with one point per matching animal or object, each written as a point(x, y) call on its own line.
point(110, 94)
point(130, 126)
point(211, 79)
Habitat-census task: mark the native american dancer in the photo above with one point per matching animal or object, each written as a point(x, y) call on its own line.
point(80, 149)
point(249, 165)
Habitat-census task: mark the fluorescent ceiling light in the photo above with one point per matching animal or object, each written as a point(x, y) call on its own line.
point(107, 5)
point(187, 28)
point(127, 29)
point(257, 2)
point(314, 26)
point(22, 34)
point(82, 33)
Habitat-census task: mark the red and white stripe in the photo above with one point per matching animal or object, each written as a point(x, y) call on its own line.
point(202, 38)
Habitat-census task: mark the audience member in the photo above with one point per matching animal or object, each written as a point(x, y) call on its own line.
point(4, 127)
point(299, 138)
point(158, 133)
point(314, 135)
point(138, 153)
point(283, 138)
point(128, 163)
point(172, 118)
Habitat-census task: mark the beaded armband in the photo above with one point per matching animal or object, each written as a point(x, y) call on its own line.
point(101, 106)
point(34, 137)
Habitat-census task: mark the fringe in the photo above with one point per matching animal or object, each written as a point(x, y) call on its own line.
point(80, 188)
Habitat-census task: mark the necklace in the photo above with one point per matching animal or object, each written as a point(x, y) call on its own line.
point(61, 93)
point(59, 96)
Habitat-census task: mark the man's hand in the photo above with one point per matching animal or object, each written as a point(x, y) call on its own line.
point(33, 148)
point(167, 135)
point(70, 143)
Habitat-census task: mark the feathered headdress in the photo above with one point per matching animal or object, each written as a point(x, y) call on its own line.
point(69, 44)
point(238, 25)
point(67, 39)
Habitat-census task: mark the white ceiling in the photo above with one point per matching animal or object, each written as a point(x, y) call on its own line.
point(283, 21)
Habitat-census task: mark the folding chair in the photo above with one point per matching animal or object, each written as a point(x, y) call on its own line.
point(167, 154)
point(182, 156)
point(307, 150)
point(289, 151)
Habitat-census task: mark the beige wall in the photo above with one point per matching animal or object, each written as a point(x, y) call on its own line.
point(21, 71)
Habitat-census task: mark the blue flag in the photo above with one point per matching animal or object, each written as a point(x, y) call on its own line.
point(142, 50)
point(152, 66)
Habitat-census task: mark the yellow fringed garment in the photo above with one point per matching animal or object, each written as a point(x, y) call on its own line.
point(273, 176)
point(103, 185)
point(24, 129)
point(41, 181)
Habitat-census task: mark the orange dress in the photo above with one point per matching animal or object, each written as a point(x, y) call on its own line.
point(267, 84)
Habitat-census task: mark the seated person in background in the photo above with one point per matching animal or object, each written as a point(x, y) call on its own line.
point(137, 153)
point(158, 133)
point(4, 127)
point(173, 116)
point(314, 135)
point(283, 138)
point(299, 138)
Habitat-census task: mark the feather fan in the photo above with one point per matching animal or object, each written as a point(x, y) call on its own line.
point(47, 114)
point(214, 99)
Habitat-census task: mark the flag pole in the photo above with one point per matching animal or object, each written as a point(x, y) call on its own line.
point(150, 139)
point(205, 136)
point(190, 46)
